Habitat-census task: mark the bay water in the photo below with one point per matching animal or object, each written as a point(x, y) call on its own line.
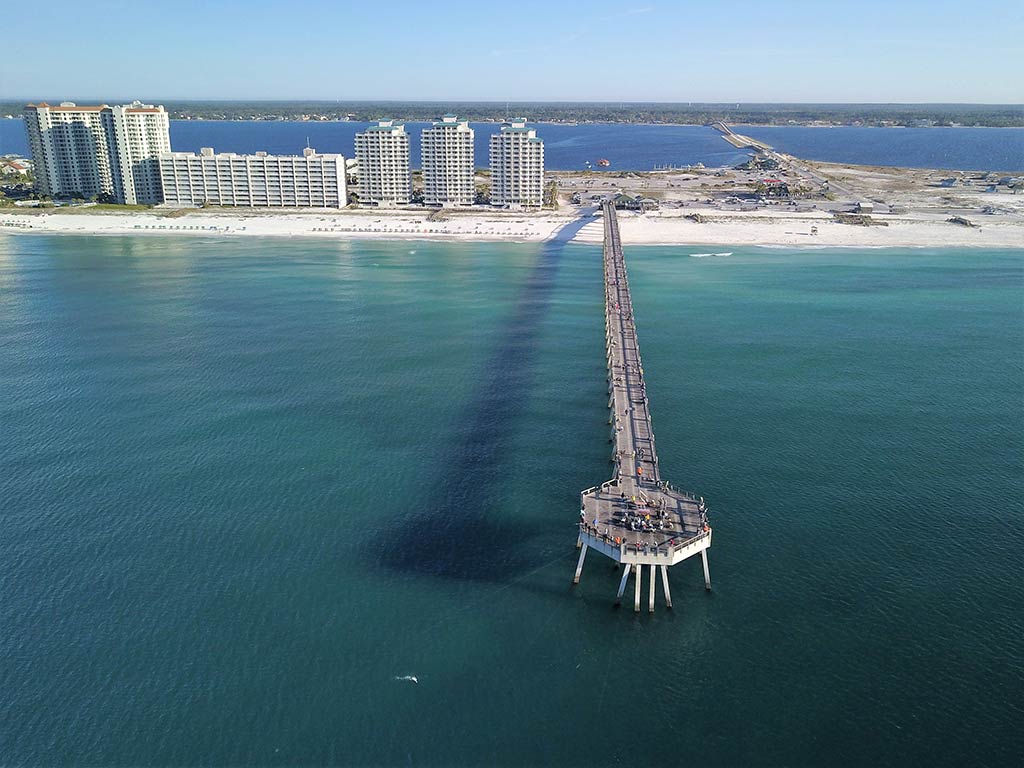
point(628, 147)
point(249, 487)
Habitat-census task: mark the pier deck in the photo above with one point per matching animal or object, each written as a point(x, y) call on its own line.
point(636, 518)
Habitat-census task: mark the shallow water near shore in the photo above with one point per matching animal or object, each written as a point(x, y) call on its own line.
point(250, 488)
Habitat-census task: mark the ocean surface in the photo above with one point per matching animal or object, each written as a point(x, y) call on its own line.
point(627, 147)
point(247, 486)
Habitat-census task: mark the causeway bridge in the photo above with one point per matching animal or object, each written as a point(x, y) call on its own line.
point(738, 140)
point(636, 518)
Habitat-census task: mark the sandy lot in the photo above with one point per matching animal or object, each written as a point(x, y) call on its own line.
point(794, 229)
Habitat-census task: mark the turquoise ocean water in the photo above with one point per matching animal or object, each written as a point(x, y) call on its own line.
point(245, 484)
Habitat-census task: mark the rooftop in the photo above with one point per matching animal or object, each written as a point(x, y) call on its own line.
point(207, 152)
point(385, 126)
point(66, 106)
point(450, 121)
point(70, 106)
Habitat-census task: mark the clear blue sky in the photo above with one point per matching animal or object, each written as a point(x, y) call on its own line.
point(544, 50)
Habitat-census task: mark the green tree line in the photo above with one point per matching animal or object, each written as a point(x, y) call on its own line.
point(990, 115)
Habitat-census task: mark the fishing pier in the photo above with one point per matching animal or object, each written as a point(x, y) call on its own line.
point(636, 518)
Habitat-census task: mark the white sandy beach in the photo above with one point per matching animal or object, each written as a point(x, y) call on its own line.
point(733, 228)
point(333, 224)
point(794, 229)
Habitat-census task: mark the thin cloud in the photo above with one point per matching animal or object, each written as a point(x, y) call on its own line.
point(628, 12)
point(519, 51)
point(572, 37)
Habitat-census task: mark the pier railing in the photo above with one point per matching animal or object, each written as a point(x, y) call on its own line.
point(663, 485)
point(656, 550)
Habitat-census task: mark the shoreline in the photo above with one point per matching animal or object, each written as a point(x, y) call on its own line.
point(769, 229)
point(567, 123)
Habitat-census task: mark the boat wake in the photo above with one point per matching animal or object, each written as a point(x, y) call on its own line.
point(705, 255)
point(406, 678)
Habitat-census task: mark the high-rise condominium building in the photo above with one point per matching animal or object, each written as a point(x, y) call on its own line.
point(258, 180)
point(382, 154)
point(517, 166)
point(447, 163)
point(98, 150)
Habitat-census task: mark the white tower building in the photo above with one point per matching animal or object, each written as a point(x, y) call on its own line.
point(141, 134)
point(98, 150)
point(447, 163)
point(517, 166)
point(382, 154)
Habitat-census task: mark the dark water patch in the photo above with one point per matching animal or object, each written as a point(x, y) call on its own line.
point(457, 532)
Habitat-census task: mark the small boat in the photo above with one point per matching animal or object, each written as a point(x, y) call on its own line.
point(604, 163)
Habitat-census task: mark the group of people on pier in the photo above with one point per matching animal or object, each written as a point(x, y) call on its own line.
point(640, 520)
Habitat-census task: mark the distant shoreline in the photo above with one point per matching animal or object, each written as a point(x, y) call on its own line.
point(574, 123)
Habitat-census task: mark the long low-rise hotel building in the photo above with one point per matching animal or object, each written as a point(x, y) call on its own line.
point(261, 180)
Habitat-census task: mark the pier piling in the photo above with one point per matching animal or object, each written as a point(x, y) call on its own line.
point(622, 583)
point(650, 592)
point(636, 588)
point(579, 565)
point(664, 584)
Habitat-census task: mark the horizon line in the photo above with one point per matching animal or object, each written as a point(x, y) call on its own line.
point(500, 102)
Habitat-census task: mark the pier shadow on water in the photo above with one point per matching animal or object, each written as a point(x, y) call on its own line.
point(457, 530)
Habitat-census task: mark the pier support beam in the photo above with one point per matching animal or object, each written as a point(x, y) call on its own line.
point(622, 584)
point(707, 573)
point(664, 583)
point(579, 565)
point(636, 588)
point(650, 592)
